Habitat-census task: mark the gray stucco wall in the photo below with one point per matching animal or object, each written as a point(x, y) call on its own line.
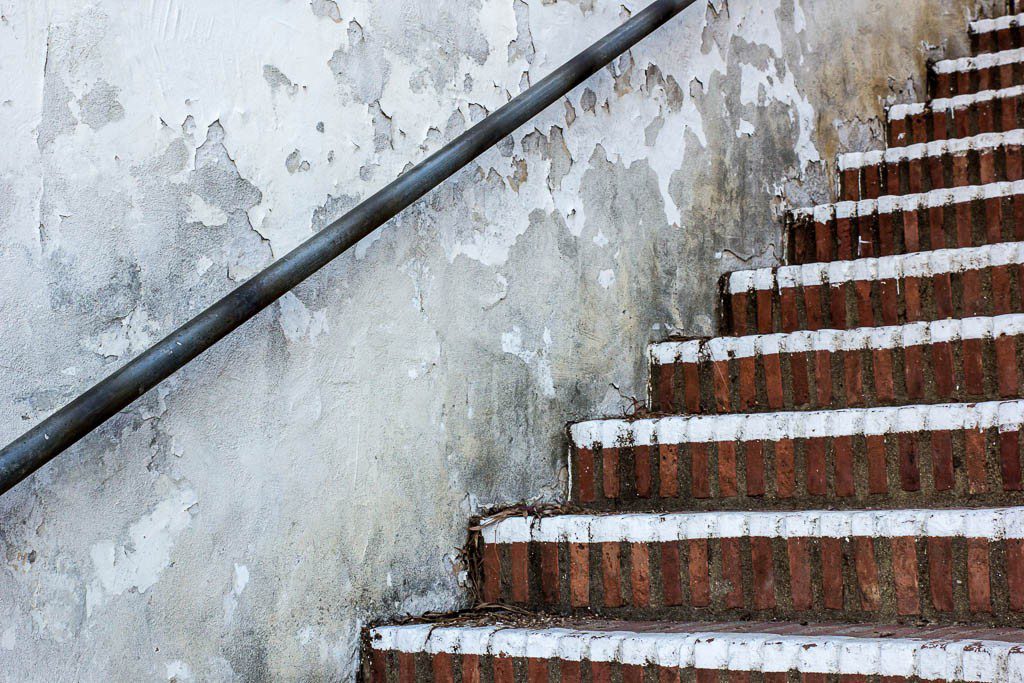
point(315, 471)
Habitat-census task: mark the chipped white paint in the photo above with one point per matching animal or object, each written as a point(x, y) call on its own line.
point(987, 61)
point(919, 264)
point(957, 146)
point(138, 562)
point(997, 24)
point(803, 341)
point(989, 523)
point(951, 658)
point(606, 278)
point(1005, 416)
point(902, 111)
point(910, 202)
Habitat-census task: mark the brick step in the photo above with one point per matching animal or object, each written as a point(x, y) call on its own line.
point(957, 162)
point(929, 362)
point(578, 650)
point(906, 565)
point(996, 35)
point(992, 71)
point(941, 454)
point(890, 290)
point(898, 224)
point(963, 116)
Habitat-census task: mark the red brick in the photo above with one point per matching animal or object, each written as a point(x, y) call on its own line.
point(406, 667)
point(974, 372)
point(867, 574)
point(732, 572)
point(536, 670)
point(942, 369)
point(1006, 366)
point(884, 384)
point(764, 311)
point(910, 471)
point(671, 577)
point(600, 672)
point(579, 575)
point(904, 569)
point(914, 371)
point(691, 388)
point(799, 573)
point(773, 380)
point(727, 469)
point(721, 386)
point(640, 574)
point(831, 563)
point(739, 301)
point(611, 574)
point(584, 475)
point(762, 564)
point(442, 668)
point(610, 472)
point(837, 305)
point(747, 384)
point(823, 378)
point(492, 573)
point(940, 572)
point(798, 378)
point(812, 307)
point(942, 461)
point(842, 451)
point(520, 565)
point(699, 570)
point(816, 478)
point(878, 480)
point(706, 675)
point(754, 459)
point(569, 672)
point(785, 469)
point(789, 313)
point(1009, 460)
point(668, 471)
point(631, 673)
point(978, 571)
point(642, 469)
point(471, 669)
point(504, 669)
point(664, 393)
point(865, 311)
point(378, 666)
point(549, 574)
point(667, 674)
point(974, 447)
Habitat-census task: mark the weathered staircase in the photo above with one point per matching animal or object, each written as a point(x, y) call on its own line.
point(828, 490)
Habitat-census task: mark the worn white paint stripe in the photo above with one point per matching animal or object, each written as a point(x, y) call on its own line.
point(982, 142)
point(902, 111)
point(918, 264)
point(962, 659)
point(998, 24)
point(896, 336)
point(990, 523)
point(823, 213)
point(679, 429)
point(987, 61)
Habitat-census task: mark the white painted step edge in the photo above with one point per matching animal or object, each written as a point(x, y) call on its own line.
point(893, 155)
point(917, 264)
point(986, 61)
point(902, 111)
point(823, 213)
point(980, 661)
point(997, 24)
point(803, 341)
point(991, 523)
point(1006, 416)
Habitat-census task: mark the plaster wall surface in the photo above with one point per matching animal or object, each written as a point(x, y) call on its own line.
point(315, 471)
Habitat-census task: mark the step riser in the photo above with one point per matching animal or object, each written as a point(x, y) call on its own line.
point(972, 223)
point(997, 41)
point(958, 370)
point(402, 667)
point(975, 80)
point(913, 176)
point(853, 579)
point(871, 303)
point(945, 119)
point(942, 468)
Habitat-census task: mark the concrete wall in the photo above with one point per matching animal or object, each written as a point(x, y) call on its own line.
point(315, 471)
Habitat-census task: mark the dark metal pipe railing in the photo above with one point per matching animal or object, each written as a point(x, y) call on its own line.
point(72, 422)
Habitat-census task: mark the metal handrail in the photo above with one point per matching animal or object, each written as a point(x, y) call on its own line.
point(87, 412)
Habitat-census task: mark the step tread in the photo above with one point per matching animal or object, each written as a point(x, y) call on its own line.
point(981, 142)
point(996, 523)
point(1005, 415)
point(996, 24)
point(823, 213)
point(985, 61)
point(915, 264)
point(875, 338)
point(906, 110)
